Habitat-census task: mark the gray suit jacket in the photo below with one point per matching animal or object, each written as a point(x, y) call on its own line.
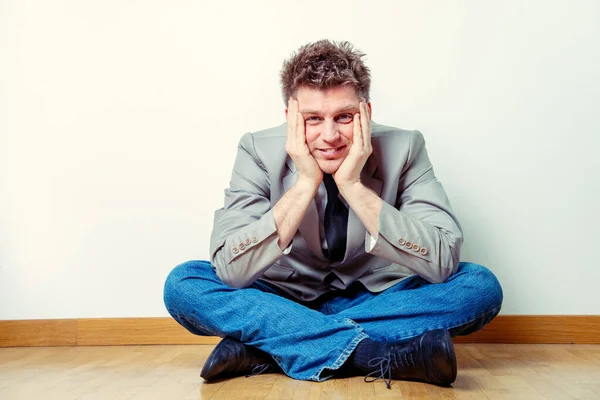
point(418, 231)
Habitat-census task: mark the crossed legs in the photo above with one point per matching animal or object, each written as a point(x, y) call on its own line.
point(311, 341)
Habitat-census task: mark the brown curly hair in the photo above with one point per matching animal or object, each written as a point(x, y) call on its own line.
point(325, 64)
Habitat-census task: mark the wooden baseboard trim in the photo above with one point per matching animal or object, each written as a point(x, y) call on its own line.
point(578, 329)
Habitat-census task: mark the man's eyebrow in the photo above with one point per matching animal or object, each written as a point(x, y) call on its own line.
point(349, 107)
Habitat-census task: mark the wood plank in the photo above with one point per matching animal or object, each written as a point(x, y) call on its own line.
point(578, 329)
point(283, 388)
point(127, 331)
point(584, 329)
point(358, 389)
point(307, 390)
point(254, 388)
point(44, 332)
point(486, 371)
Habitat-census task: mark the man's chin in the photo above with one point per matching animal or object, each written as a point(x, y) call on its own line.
point(329, 166)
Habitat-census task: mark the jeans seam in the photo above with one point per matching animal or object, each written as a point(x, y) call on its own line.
point(199, 327)
point(494, 310)
point(412, 334)
point(344, 356)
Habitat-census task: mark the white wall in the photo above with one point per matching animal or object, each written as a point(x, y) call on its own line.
point(119, 122)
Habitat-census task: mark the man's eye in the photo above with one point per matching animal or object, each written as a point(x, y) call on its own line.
point(312, 119)
point(345, 118)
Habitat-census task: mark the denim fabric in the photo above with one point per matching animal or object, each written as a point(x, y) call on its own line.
point(312, 340)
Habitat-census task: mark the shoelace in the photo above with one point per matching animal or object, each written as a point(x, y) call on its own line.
point(384, 368)
point(260, 369)
point(383, 363)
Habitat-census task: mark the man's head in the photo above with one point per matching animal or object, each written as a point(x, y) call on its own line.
point(329, 80)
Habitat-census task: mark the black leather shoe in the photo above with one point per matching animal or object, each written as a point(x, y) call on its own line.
point(427, 358)
point(231, 358)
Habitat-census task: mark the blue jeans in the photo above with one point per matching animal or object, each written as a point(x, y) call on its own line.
point(311, 340)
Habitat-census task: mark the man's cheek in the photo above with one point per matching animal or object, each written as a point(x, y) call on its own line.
point(349, 133)
point(311, 136)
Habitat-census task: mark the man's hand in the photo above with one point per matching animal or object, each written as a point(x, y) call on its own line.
point(348, 173)
point(290, 209)
point(365, 203)
point(308, 169)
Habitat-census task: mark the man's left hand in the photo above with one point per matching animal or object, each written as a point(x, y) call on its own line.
point(348, 173)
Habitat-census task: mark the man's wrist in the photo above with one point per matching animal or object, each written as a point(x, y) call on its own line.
point(350, 189)
point(307, 185)
point(366, 204)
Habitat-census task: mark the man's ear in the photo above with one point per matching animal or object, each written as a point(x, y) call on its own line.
point(370, 110)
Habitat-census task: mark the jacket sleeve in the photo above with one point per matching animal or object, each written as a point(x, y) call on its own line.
point(244, 238)
point(420, 231)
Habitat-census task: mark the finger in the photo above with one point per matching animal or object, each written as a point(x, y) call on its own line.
point(291, 114)
point(294, 105)
point(358, 141)
point(300, 128)
point(365, 123)
point(291, 128)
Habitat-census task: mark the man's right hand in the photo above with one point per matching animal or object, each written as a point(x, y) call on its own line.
point(308, 170)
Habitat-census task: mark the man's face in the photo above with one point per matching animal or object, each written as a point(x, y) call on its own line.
point(329, 122)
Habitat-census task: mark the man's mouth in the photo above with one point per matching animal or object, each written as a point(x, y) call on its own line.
point(332, 152)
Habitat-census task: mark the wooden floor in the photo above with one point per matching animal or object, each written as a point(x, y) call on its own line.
point(494, 371)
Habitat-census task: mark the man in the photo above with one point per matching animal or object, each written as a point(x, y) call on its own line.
point(336, 252)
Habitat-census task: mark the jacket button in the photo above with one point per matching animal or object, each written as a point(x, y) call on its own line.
point(254, 239)
point(402, 241)
point(409, 244)
point(423, 251)
point(247, 242)
point(416, 247)
point(242, 246)
point(235, 250)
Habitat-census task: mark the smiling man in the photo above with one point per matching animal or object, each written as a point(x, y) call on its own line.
point(336, 252)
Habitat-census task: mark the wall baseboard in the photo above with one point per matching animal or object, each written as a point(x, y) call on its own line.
point(578, 329)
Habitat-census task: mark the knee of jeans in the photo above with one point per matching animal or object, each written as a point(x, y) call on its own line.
point(489, 290)
point(174, 291)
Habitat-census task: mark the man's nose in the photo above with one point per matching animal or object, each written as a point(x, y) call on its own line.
point(330, 131)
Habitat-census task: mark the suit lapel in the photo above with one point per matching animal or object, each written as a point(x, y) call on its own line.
point(356, 229)
point(309, 227)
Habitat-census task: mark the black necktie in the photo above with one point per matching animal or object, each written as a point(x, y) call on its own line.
point(336, 221)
